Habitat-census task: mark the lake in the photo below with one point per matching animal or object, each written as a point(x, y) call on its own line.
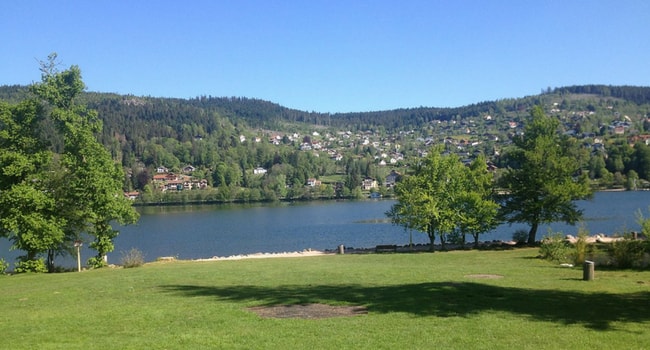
point(204, 231)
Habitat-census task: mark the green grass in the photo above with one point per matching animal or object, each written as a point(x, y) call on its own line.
point(414, 301)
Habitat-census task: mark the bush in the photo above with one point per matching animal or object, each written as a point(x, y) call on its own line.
point(555, 248)
point(96, 262)
point(581, 248)
point(31, 266)
point(627, 253)
point(456, 238)
point(520, 236)
point(132, 258)
point(4, 265)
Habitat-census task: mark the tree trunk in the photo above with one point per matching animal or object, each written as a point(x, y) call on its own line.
point(532, 233)
point(442, 242)
point(431, 246)
point(50, 260)
point(432, 239)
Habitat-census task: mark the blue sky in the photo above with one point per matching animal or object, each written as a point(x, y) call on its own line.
point(331, 56)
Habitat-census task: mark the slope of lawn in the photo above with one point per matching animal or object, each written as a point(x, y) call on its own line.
point(424, 300)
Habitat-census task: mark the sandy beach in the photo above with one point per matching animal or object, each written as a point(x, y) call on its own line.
point(304, 253)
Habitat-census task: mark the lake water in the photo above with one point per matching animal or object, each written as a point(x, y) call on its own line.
point(191, 232)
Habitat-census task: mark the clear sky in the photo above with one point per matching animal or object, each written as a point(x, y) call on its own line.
point(331, 55)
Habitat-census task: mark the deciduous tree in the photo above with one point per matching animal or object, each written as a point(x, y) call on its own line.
point(91, 195)
point(29, 213)
point(545, 179)
point(477, 205)
point(442, 196)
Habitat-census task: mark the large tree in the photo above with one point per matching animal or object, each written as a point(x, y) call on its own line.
point(52, 193)
point(29, 213)
point(92, 196)
point(544, 178)
point(478, 208)
point(442, 196)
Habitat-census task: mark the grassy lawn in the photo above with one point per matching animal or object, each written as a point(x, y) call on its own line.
point(414, 301)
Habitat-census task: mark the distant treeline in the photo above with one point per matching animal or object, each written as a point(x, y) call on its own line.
point(257, 113)
point(637, 94)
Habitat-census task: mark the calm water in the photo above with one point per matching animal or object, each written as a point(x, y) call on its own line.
point(192, 232)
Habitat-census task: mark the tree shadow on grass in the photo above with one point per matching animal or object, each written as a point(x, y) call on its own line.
point(447, 299)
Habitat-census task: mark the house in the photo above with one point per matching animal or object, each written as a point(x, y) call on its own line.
point(259, 171)
point(645, 139)
point(368, 184)
point(311, 182)
point(162, 170)
point(132, 195)
point(165, 177)
point(176, 185)
point(392, 178)
point(337, 157)
point(189, 169)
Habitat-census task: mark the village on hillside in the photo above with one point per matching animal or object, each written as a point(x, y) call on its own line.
point(390, 151)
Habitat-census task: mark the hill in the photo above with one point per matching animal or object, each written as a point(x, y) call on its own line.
point(251, 149)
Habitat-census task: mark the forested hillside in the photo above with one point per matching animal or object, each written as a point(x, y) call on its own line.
point(249, 149)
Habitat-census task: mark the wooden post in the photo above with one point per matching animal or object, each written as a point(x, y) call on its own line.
point(78, 259)
point(78, 244)
point(588, 271)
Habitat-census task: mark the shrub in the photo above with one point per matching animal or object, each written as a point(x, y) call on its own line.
point(31, 266)
point(132, 258)
point(643, 222)
point(520, 236)
point(4, 265)
point(581, 247)
point(456, 238)
point(555, 248)
point(96, 262)
point(627, 252)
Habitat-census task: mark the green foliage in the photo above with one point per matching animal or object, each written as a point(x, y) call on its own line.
point(545, 178)
point(132, 258)
point(31, 217)
point(93, 196)
point(48, 199)
point(96, 262)
point(34, 265)
point(29, 210)
point(555, 248)
point(627, 253)
point(455, 238)
point(4, 265)
point(476, 204)
point(582, 249)
point(644, 223)
point(443, 197)
point(520, 236)
point(632, 182)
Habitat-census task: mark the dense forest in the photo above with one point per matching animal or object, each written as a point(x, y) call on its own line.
point(248, 149)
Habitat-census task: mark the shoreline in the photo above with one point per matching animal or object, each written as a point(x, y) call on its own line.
point(349, 250)
point(485, 245)
point(260, 255)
